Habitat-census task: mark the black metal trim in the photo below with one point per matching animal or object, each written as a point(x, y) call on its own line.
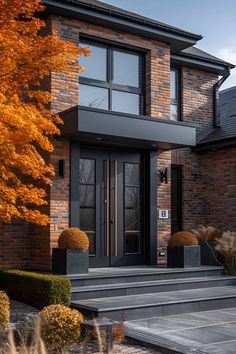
point(150, 217)
point(74, 184)
point(180, 193)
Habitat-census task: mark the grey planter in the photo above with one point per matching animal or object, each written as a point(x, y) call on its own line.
point(183, 257)
point(209, 255)
point(67, 261)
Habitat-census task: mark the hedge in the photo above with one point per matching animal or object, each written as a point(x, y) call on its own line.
point(38, 290)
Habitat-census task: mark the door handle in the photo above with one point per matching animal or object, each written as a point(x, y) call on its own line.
point(115, 207)
point(107, 212)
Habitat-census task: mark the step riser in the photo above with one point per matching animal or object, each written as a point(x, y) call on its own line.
point(165, 310)
point(149, 289)
point(142, 277)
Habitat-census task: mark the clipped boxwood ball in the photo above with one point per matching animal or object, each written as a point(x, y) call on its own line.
point(73, 238)
point(183, 238)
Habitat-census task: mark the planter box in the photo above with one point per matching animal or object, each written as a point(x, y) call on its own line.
point(209, 255)
point(66, 261)
point(183, 257)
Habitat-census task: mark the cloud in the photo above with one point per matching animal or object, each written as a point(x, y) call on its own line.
point(229, 55)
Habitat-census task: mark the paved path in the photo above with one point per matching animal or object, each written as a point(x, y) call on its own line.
point(208, 332)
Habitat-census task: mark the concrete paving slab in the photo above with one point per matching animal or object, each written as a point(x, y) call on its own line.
point(210, 332)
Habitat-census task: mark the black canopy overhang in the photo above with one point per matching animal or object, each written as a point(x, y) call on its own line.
point(93, 125)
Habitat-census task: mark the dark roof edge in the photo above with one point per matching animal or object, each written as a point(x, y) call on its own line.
point(201, 63)
point(124, 18)
point(216, 144)
point(207, 60)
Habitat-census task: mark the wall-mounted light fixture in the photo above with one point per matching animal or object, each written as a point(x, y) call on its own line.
point(61, 168)
point(164, 175)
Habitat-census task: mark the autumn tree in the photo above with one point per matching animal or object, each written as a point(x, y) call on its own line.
point(27, 55)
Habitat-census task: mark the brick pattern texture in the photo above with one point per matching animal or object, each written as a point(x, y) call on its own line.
point(204, 194)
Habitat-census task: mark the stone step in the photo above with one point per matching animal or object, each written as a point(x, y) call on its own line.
point(145, 287)
point(137, 274)
point(131, 307)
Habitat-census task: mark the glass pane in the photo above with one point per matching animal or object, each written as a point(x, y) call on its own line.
point(92, 96)
point(126, 68)
point(87, 219)
point(125, 102)
point(173, 83)
point(174, 112)
point(132, 219)
point(132, 242)
point(92, 242)
point(132, 197)
point(87, 196)
point(87, 171)
point(95, 64)
point(132, 174)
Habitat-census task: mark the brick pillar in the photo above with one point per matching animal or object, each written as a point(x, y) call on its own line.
point(158, 105)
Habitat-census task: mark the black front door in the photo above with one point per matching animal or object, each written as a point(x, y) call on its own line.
point(111, 193)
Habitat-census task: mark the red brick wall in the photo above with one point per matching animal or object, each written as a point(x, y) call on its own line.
point(219, 188)
point(197, 108)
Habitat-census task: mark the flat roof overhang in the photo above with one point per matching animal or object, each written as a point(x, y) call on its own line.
point(177, 39)
point(126, 130)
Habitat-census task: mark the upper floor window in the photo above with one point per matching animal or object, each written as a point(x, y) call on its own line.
point(175, 94)
point(112, 79)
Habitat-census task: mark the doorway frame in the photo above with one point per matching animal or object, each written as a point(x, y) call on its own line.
point(150, 192)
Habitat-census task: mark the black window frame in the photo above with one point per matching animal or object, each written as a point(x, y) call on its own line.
point(109, 84)
point(178, 90)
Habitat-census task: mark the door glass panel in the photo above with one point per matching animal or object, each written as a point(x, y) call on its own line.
point(87, 219)
point(87, 171)
point(132, 219)
point(92, 96)
point(125, 102)
point(87, 201)
point(132, 174)
point(92, 243)
point(126, 68)
point(87, 196)
point(132, 207)
point(132, 197)
point(97, 59)
point(132, 242)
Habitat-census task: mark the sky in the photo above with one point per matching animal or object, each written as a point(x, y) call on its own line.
point(214, 19)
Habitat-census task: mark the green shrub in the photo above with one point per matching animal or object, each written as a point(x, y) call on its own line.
point(4, 310)
point(38, 290)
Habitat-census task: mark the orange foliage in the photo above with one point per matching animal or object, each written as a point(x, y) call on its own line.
point(26, 122)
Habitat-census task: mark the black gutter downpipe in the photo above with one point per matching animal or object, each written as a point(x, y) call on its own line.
point(216, 87)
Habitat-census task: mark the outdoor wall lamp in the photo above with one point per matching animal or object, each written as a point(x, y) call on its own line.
point(61, 168)
point(164, 175)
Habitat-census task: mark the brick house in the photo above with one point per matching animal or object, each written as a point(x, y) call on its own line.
point(128, 170)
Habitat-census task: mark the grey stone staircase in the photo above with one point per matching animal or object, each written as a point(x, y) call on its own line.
point(142, 292)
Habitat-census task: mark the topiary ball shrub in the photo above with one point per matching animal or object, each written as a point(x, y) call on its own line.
point(73, 238)
point(60, 326)
point(4, 310)
point(183, 238)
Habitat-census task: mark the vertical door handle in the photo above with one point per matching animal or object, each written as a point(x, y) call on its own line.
point(115, 207)
point(107, 192)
